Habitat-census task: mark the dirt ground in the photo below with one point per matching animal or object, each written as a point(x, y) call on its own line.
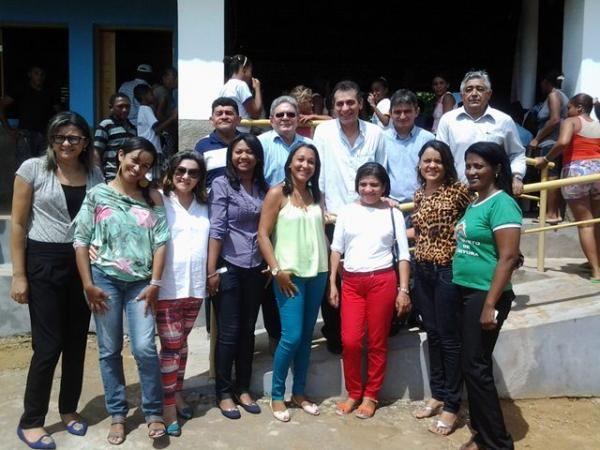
point(546, 424)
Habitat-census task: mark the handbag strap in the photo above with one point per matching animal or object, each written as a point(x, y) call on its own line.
point(395, 251)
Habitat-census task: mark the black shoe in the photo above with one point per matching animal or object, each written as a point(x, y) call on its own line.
point(334, 347)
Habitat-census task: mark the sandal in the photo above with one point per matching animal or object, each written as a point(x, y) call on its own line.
point(470, 445)
point(442, 428)
point(116, 437)
point(366, 410)
point(346, 407)
point(157, 431)
point(427, 411)
point(307, 406)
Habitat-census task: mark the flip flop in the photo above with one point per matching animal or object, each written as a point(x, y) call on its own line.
point(156, 433)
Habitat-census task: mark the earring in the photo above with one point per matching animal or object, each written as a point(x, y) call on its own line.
point(143, 183)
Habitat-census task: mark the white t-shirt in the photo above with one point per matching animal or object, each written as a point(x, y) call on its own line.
point(384, 107)
point(240, 92)
point(184, 274)
point(365, 237)
point(145, 126)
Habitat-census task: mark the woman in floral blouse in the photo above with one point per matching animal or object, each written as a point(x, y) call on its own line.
point(439, 203)
point(125, 222)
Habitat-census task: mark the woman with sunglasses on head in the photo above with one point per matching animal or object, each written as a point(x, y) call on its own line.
point(184, 276)
point(237, 87)
point(48, 192)
point(439, 203)
point(235, 279)
point(487, 253)
point(125, 222)
point(291, 237)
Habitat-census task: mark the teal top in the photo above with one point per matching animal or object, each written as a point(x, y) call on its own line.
point(299, 240)
point(476, 254)
point(126, 232)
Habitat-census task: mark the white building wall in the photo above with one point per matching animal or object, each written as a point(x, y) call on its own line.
point(201, 43)
point(581, 52)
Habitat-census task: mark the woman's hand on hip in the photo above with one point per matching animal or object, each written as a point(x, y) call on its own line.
point(403, 304)
point(19, 290)
point(284, 280)
point(96, 298)
point(334, 296)
point(150, 296)
point(488, 317)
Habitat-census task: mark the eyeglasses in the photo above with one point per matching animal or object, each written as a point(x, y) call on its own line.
point(193, 173)
point(73, 140)
point(289, 114)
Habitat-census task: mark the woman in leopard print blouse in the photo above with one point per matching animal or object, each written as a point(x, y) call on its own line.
point(439, 203)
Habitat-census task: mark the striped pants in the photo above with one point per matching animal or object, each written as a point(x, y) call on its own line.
point(174, 321)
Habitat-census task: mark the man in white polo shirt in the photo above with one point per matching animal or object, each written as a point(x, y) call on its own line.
point(476, 121)
point(344, 144)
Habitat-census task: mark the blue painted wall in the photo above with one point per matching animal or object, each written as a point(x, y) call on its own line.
point(81, 17)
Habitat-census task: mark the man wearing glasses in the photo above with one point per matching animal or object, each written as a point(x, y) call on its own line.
point(278, 142)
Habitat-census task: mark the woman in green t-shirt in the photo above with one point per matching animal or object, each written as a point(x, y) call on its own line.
point(487, 253)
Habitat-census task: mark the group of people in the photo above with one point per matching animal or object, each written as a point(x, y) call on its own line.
point(244, 212)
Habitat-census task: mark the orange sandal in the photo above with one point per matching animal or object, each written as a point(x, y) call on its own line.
point(346, 407)
point(366, 410)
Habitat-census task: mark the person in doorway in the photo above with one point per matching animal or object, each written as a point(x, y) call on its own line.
point(143, 75)
point(476, 121)
point(126, 224)
point(552, 112)
point(444, 100)
point(48, 192)
point(344, 144)
point(291, 237)
point(579, 144)
point(366, 232)
point(111, 133)
point(379, 102)
point(166, 107)
point(487, 253)
point(35, 104)
point(239, 72)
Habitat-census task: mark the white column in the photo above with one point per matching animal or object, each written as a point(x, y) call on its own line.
point(201, 47)
point(525, 62)
point(581, 52)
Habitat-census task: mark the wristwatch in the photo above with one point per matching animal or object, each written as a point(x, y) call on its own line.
point(405, 290)
point(275, 271)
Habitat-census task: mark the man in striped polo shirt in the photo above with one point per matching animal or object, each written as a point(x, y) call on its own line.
point(110, 134)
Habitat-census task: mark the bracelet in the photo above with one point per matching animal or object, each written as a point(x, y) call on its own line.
point(214, 274)
point(157, 283)
point(405, 290)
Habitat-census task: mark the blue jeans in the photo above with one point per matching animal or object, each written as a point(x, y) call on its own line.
point(109, 329)
point(298, 316)
point(438, 301)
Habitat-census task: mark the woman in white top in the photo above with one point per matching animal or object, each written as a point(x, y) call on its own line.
point(239, 73)
point(184, 276)
point(364, 234)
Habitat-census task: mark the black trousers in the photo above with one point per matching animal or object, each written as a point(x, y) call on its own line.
point(59, 323)
point(477, 364)
point(237, 304)
point(270, 313)
point(438, 302)
point(332, 322)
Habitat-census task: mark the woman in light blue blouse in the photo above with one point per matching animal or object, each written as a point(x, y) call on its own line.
point(126, 223)
point(234, 266)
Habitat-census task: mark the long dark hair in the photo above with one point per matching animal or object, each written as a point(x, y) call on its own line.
point(258, 175)
point(442, 148)
point(234, 63)
point(373, 169)
point(495, 155)
point(63, 119)
point(313, 181)
point(200, 188)
point(133, 144)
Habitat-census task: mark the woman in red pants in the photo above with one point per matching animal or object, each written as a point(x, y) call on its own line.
point(365, 232)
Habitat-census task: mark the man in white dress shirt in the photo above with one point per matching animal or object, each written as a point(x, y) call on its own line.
point(476, 121)
point(344, 144)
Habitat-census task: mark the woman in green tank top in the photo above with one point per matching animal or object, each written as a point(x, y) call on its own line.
point(291, 237)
